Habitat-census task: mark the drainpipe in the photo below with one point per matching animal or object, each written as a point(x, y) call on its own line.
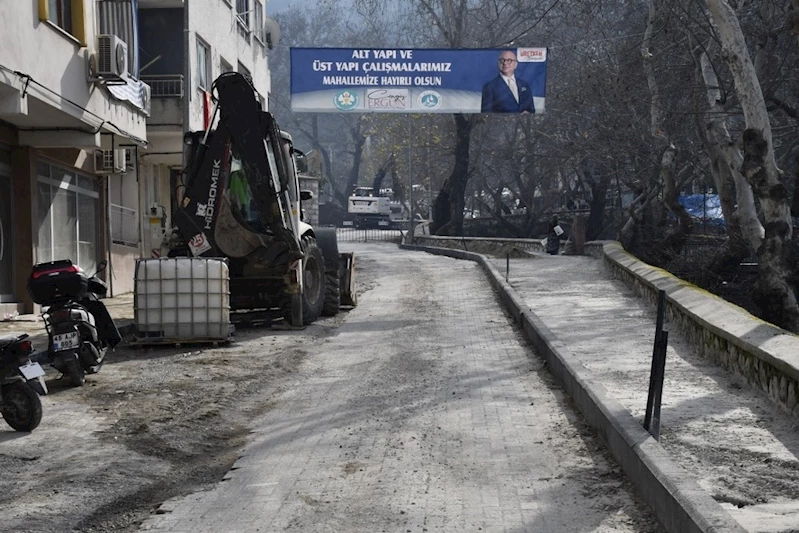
point(187, 92)
point(108, 230)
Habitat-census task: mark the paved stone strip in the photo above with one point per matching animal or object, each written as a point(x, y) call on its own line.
point(442, 420)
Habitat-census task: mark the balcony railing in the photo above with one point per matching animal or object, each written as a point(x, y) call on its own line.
point(165, 85)
point(124, 225)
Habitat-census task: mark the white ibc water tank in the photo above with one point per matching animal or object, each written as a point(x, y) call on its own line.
point(182, 298)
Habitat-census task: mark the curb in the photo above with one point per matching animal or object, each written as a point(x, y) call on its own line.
point(676, 499)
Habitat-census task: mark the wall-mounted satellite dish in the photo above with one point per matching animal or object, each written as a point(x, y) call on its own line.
point(272, 32)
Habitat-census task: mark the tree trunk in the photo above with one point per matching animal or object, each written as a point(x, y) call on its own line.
point(674, 241)
point(792, 22)
point(744, 231)
point(596, 217)
point(722, 148)
point(355, 171)
point(775, 296)
point(631, 231)
point(450, 202)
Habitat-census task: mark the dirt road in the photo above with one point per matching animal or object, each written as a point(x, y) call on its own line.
point(422, 409)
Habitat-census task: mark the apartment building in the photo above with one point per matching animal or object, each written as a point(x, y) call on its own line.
point(180, 66)
point(72, 117)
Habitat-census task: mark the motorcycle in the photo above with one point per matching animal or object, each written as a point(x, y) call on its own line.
point(79, 327)
point(21, 383)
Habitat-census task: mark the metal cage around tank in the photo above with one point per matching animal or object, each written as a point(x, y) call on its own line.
point(182, 299)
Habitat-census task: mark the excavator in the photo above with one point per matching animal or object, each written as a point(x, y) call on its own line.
point(240, 199)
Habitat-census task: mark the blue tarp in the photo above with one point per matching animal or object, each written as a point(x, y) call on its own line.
point(705, 207)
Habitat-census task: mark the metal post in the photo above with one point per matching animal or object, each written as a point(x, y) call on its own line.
point(656, 376)
point(660, 373)
point(410, 177)
point(429, 173)
point(507, 266)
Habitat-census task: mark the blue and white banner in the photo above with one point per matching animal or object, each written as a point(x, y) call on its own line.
point(386, 80)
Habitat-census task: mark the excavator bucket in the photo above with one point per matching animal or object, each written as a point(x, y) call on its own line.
point(347, 279)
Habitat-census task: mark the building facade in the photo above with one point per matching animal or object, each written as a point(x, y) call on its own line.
point(180, 66)
point(72, 119)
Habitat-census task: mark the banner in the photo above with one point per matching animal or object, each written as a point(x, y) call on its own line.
point(385, 80)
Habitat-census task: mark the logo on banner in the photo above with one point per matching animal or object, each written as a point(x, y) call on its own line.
point(387, 99)
point(531, 55)
point(430, 99)
point(346, 100)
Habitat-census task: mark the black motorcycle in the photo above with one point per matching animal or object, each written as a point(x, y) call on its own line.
point(21, 382)
point(79, 327)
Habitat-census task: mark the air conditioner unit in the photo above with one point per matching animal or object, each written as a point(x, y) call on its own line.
point(112, 58)
point(146, 97)
point(110, 161)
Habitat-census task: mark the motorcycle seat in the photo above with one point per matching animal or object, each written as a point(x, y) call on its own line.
point(6, 340)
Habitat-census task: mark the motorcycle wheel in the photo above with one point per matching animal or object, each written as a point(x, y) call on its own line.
point(75, 372)
point(21, 407)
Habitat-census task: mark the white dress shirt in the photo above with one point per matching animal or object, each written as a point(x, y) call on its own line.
point(512, 85)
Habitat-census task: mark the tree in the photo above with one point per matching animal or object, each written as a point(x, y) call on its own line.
point(776, 297)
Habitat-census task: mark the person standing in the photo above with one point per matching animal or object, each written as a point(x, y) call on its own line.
point(506, 93)
point(553, 237)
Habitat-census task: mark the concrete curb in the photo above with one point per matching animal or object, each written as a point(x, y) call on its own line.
point(676, 499)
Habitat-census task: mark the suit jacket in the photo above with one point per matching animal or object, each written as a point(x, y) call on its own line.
point(498, 98)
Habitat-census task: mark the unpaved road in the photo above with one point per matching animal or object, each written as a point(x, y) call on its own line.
point(421, 409)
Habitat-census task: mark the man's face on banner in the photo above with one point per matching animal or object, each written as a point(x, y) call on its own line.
point(507, 63)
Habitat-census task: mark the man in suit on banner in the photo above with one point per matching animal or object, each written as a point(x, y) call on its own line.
point(506, 93)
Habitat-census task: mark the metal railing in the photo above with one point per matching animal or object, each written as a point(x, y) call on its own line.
point(124, 225)
point(165, 85)
point(369, 235)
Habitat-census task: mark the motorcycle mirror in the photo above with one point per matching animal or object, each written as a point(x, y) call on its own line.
point(101, 266)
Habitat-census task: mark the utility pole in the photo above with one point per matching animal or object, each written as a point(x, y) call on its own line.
point(410, 177)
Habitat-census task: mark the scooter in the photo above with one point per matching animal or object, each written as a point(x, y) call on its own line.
point(21, 383)
point(79, 327)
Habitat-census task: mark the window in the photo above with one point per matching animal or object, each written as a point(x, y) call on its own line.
point(258, 27)
point(60, 13)
point(68, 216)
point(244, 70)
point(243, 11)
point(69, 15)
point(224, 66)
point(203, 65)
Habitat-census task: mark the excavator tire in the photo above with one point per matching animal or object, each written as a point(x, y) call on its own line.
point(332, 294)
point(313, 293)
point(326, 240)
point(347, 279)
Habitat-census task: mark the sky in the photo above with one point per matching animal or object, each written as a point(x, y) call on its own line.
point(273, 6)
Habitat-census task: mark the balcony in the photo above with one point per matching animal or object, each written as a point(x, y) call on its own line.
point(165, 85)
point(166, 105)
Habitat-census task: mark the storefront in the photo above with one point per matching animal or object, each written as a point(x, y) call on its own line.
point(68, 216)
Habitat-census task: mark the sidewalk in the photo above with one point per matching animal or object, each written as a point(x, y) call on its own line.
point(727, 437)
point(120, 307)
